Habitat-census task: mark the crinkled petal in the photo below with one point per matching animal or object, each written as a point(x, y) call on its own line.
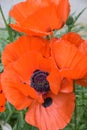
point(57, 114)
point(54, 78)
point(29, 16)
point(28, 63)
point(23, 9)
point(22, 45)
point(73, 38)
point(63, 10)
point(72, 63)
point(14, 90)
point(48, 14)
point(31, 32)
point(83, 47)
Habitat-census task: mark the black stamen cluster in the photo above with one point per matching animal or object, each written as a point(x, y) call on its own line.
point(47, 102)
point(39, 81)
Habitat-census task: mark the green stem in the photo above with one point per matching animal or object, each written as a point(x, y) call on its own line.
point(21, 119)
point(9, 107)
point(9, 116)
point(83, 97)
point(10, 112)
point(7, 26)
point(75, 112)
point(69, 29)
point(76, 117)
point(3, 16)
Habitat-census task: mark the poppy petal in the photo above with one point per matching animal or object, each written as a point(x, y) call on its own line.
point(83, 47)
point(13, 95)
point(28, 7)
point(23, 45)
point(69, 59)
point(29, 16)
point(54, 78)
point(16, 98)
point(2, 101)
point(63, 10)
point(58, 113)
point(31, 32)
point(2, 98)
point(73, 38)
point(33, 23)
point(46, 13)
point(66, 85)
point(28, 63)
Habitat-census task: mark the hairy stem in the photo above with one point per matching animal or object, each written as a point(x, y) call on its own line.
point(7, 26)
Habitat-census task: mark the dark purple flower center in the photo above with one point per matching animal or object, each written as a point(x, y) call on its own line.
point(39, 81)
point(47, 102)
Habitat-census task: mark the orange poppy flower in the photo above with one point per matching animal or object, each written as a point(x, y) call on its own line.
point(35, 94)
point(69, 58)
point(32, 80)
point(40, 17)
point(43, 104)
point(2, 98)
point(35, 48)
